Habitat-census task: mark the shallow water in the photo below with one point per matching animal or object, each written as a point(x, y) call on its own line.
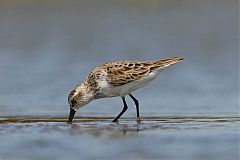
point(98, 138)
point(190, 112)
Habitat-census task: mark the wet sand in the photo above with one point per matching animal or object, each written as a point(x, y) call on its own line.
point(188, 137)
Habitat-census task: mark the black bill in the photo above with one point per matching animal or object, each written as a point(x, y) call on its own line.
point(71, 115)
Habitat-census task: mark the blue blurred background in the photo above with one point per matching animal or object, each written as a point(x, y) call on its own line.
point(47, 47)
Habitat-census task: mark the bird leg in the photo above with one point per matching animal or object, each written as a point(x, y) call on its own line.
point(125, 107)
point(137, 107)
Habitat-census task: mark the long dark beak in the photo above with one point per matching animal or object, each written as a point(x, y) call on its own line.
point(71, 115)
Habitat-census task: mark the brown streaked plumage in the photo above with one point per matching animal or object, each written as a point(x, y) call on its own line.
point(123, 72)
point(118, 78)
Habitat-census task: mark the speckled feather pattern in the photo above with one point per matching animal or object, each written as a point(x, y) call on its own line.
point(123, 72)
point(116, 75)
point(115, 79)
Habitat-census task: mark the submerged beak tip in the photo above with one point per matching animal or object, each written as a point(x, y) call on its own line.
point(71, 115)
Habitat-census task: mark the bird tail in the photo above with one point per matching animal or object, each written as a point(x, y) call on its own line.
point(164, 63)
point(169, 61)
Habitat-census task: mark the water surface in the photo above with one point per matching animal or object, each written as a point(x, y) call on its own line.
point(191, 112)
point(99, 138)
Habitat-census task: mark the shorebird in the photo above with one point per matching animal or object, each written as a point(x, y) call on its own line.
point(115, 79)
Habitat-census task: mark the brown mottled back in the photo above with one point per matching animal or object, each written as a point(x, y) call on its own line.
point(123, 72)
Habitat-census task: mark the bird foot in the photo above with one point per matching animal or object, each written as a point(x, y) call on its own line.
point(138, 120)
point(115, 121)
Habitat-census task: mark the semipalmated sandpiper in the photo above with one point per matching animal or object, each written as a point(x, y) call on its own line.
point(114, 79)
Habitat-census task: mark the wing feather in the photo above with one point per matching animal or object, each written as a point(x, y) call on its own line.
point(123, 72)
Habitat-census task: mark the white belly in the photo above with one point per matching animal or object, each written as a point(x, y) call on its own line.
point(111, 91)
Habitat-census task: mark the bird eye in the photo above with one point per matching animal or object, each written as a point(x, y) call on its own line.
point(73, 101)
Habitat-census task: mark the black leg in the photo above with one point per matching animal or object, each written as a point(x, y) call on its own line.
point(125, 107)
point(137, 107)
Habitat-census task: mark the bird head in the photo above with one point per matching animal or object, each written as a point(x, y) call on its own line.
point(77, 98)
